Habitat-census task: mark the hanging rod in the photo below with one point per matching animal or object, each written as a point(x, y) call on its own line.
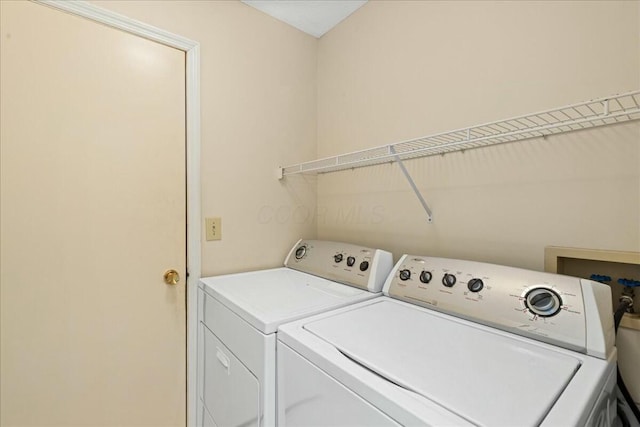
point(597, 112)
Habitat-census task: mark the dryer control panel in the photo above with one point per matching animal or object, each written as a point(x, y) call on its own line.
point(561, 310)
point(358, 266)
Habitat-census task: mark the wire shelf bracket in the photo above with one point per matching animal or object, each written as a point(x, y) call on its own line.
point(413, 185)
point(584, 115)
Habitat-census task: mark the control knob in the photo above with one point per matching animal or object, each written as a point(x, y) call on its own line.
point(425, 276)
point(475, 285)
point(364, 265)
point(543, 301)
point(301, 251)
point(448, 280)
point(405, 275)
point(337, 258)
point(350, 261)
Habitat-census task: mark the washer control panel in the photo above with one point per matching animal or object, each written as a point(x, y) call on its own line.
point(544, 306)
point(354, 265)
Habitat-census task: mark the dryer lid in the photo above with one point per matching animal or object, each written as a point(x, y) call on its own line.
point(486, 377)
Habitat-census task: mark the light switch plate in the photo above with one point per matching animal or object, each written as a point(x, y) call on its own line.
point(214, 228)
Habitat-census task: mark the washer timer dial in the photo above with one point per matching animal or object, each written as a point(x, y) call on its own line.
point(543, 301)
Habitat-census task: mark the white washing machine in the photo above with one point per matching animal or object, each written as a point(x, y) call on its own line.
point(455, 343)
point(239, 315)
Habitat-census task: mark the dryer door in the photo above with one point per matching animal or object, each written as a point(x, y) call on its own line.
point(231, 393)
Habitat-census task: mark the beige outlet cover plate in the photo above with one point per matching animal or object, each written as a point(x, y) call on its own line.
point(213, 227)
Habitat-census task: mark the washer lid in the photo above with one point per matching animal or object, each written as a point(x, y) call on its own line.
point(486, 377)
point(268, 298)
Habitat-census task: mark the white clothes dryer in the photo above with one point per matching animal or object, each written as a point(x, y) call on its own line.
point(455, 343)
point(239, 315)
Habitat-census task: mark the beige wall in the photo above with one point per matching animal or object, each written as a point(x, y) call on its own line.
point(396, 70)
point(258, 92)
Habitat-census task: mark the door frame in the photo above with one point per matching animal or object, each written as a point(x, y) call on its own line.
point(192, 51)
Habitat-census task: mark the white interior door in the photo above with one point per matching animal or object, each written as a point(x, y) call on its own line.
point(92, 214)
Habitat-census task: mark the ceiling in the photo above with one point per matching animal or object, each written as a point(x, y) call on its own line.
point(314, 17)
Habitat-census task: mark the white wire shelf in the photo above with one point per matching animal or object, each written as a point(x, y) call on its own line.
point(598, 112)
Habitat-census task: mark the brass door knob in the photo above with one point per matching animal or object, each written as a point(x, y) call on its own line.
point(171, 277)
